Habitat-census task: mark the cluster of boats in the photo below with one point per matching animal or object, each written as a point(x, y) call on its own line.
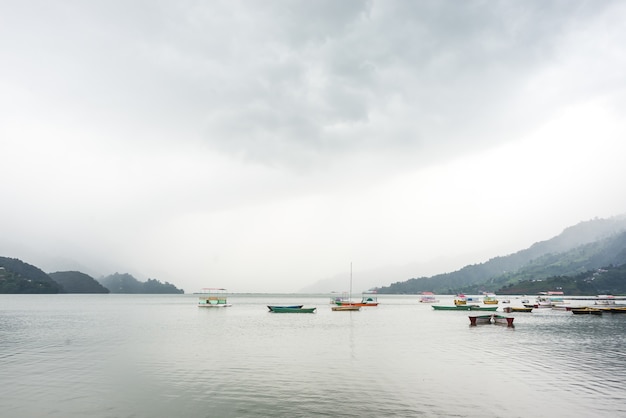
point(553, 300)
point(212, 297)
point(216, 298)
point(466, 303)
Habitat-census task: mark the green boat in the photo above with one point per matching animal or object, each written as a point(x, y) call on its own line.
point(464, 308)
point(288, 309)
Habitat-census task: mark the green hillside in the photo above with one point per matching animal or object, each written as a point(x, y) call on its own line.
point(17, 276)
point(583, 248)
point(126, 283)
point(77, 282)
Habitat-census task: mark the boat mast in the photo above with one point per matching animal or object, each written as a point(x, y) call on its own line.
point(350, 294)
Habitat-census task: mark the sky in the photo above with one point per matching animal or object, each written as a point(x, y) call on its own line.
point(268, 146)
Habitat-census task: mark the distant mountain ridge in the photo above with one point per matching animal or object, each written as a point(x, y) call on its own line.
point(18, 277)
point(77, 282)
point(126, 283)
point(585, 246)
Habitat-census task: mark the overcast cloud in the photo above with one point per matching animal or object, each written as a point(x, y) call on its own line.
point(264, 145)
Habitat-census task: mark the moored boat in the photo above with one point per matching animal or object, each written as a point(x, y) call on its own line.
point(503, 320)
point(453, 308)
point(346, 308)
point(586, 311)
point(428, 297)
point(366, 300)
point(272, 307)
point(472, 300)
point(492, 318)
point(287, 309)
point(464, 308)
point(460, 300)
point(348, 305)
point(479, 319)
point(490, 299)
point(213, 297)
point(605, 300)
point(543, 302)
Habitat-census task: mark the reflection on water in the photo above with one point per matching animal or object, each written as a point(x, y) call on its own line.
point(161, 356)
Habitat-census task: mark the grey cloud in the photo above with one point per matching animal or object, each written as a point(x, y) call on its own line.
point(297, 83)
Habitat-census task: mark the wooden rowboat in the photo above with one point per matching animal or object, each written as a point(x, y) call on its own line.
point(346, 308)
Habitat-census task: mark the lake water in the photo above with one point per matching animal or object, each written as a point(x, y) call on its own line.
point(158, 356)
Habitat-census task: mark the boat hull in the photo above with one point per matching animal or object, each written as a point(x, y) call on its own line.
point(272, 307)
point(285, 309)
point(517, 309)
point(357, 303)
point(464, 308)
point(493, 318)
point(479, 319)
point(586, 311)
point(346, 308)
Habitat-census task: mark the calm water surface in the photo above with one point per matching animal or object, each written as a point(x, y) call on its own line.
point(161, 356)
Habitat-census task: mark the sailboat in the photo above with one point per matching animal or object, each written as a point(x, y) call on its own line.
point(347, 305)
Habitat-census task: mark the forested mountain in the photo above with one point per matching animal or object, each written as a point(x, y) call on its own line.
point(17, 276)
point(581, 248)
point(77, 282)
point(126, 283)
point(610, 280)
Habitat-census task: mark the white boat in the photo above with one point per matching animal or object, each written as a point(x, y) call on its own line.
point(428, 297)
point(213, 297)
point(605, 300)
point(543, 302)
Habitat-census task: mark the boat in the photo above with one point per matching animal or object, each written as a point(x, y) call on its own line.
point(605, 300)
point(586, 311)
point(464, 308)
point(519, 309)
point(490, 299)
point(492, 318)
point(365, 301)
point(460, 300)
point(428, 297)
point(342, 298)
point(502, 320)
point(348, 305)
point(369, 300)
point(479, 319)
point(288, 309)
point(346, 308)
point(272, 307)
point(543, 302)
point(213, 297)
point(453, 308)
